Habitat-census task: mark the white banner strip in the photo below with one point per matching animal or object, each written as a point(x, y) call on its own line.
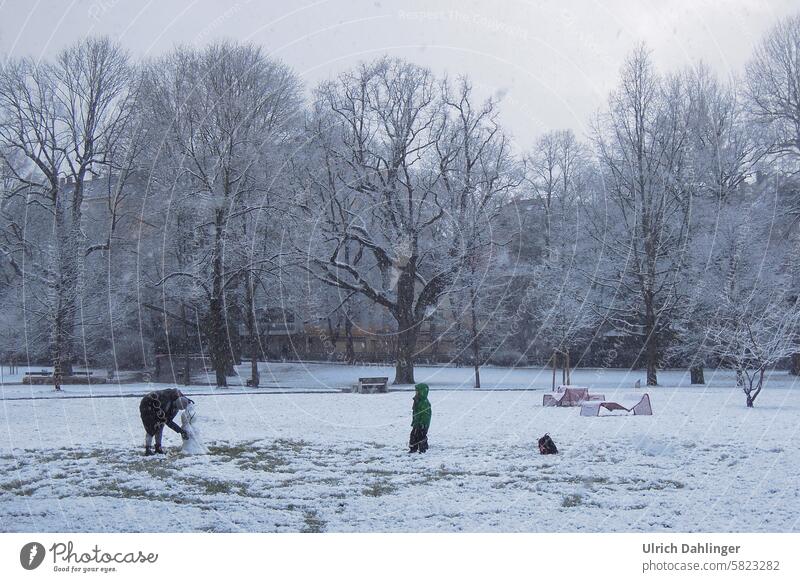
point(406, 557)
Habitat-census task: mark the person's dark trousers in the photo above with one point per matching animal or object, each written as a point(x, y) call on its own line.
point(418, 441)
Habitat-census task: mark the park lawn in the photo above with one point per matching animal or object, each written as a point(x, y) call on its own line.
point(286, 462)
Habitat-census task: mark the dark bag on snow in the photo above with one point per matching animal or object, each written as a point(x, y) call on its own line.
point(547, 446)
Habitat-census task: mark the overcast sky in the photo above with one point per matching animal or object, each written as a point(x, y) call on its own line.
point(553, 61)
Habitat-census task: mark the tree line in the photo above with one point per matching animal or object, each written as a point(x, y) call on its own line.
point(166, 205)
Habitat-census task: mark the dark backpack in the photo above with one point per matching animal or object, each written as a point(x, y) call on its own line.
point(547, 446)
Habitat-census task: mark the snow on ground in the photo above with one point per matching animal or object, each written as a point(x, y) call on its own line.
point(325, 377)
point(337, 462)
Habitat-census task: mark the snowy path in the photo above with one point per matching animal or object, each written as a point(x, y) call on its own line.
point(336, 462)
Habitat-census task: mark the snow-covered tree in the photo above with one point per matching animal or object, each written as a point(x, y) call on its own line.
point(222, 109)
point(723, 154)
point(755, 322)
point(773, 85)
point(556, 287)
point(554, 174)
point(61, 123)
point(399, 158)
point(641, 224)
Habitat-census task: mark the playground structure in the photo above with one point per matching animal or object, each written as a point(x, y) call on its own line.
point(570, 396)
point(638, 404)
point(564, 356)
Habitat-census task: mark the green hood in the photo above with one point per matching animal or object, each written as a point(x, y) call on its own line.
point(421, 410)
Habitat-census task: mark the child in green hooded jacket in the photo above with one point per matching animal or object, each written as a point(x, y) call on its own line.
point(420, 420)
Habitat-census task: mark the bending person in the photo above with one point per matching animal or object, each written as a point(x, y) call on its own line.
point(158, 409)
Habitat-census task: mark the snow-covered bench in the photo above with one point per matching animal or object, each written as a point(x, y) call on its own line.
point(373, 385)
point(638, 404)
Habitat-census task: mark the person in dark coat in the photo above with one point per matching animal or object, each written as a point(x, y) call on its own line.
point(158, 409)
point(420, 420)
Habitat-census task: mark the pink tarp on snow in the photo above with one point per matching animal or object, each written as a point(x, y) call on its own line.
point(639, 405)
point(570, 396)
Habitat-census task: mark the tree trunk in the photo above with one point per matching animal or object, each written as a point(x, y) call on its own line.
point(250, 322)
point(65, 287)
point(217, 331)
point(651, 344)
point(350, 350)
point(406, 346)
point(794, 370)
point(547, 249)
point(216, 345)
point(752, 394)
point(407, 326)
point(187, 360)
point(476, 348)
point(697, 375)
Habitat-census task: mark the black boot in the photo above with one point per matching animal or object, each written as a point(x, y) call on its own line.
point(159, 450)
point(147, 452)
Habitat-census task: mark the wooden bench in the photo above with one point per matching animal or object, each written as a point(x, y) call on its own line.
point(373, 385)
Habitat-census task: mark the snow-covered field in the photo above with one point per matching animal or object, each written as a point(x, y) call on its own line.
point(315, 377)
point(332, 461)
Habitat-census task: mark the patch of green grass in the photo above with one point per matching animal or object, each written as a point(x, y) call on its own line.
point(156, 470)
point(442, 473)
point(248, 456)
point(487, 473)
point(69, 455)
point(445, 473)
point(660, 485)
point(312, 521)
point(216, 487)
point(262, 460)
point(294, 446)
point(232, 451)
point(379, 488)
point(124, 492)
point(19, 487)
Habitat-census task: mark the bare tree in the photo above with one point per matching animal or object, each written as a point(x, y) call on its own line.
point(755, 319)
point(773, 85)
point(60, 123)
point(222, 108)
point(642, 225)
point(723, 147)
point(722, 154)
point(553, 169)
point(402, 158)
